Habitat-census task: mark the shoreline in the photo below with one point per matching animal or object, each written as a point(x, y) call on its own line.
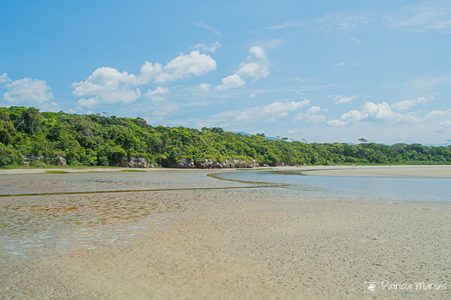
point(441, 171)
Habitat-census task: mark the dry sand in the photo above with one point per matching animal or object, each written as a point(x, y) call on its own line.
point(264, 243)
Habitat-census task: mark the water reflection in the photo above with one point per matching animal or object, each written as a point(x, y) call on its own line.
point(69, 223)
point(374, 188)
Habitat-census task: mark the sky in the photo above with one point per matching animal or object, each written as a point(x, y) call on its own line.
point(318, 71)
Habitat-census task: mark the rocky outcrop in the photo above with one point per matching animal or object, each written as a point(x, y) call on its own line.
point(137, 162)
point(29, 159)
point(186, 163)
point(229, 163)
point(61, 161)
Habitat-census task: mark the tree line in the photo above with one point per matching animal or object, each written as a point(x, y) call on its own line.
point(45, 138)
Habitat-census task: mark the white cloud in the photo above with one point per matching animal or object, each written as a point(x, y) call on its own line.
point(342, 99)
point(313, 115)
point(157, 94)
point(256, 66)
point(183, 66)
point(106, 86)
point(207, 47)
point(372, 112)
point(253, 70)
point(404, 105)
point(336, 123)
point(148, 72)
point(258, 52)
point(267, 113)
point(26, 91)
point(439, 113)
point(340, 64)
point(4, 78)
point(407, 104)
point(423, 16)
point(231, 81)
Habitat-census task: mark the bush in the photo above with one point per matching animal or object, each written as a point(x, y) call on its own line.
point(9, 156)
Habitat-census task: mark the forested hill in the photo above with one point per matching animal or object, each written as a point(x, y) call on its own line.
point(30, 137)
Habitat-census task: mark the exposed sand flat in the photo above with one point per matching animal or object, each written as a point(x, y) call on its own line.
point(109, 181)
point(398, 171)
point(265, 243)
point(85, 170)
point(414, 170)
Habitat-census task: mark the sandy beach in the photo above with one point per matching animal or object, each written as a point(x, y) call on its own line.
point(238, 243)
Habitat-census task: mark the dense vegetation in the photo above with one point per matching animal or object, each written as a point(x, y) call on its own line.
point(29, 136)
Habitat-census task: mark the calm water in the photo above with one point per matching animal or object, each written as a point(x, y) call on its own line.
point(378, 188)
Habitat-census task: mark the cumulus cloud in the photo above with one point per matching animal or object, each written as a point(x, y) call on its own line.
point(256, 66)
point(193, 64)
point(313, 115)
point(148, 72)
point(157, 94)
point(108, 85)
point(267, 113)
point(26, 91)
point(231, 81)
point(372, 112)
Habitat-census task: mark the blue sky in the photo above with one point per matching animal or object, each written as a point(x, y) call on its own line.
point(307, 70)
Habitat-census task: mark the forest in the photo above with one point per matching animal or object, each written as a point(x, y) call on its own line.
point(29, 137)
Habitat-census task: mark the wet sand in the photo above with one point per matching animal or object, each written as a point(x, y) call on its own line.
point(387, 171)
point(259, 243)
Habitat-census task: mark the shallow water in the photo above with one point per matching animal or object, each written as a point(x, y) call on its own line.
point(105, 181)
point(43, 225)
point(375, 188)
